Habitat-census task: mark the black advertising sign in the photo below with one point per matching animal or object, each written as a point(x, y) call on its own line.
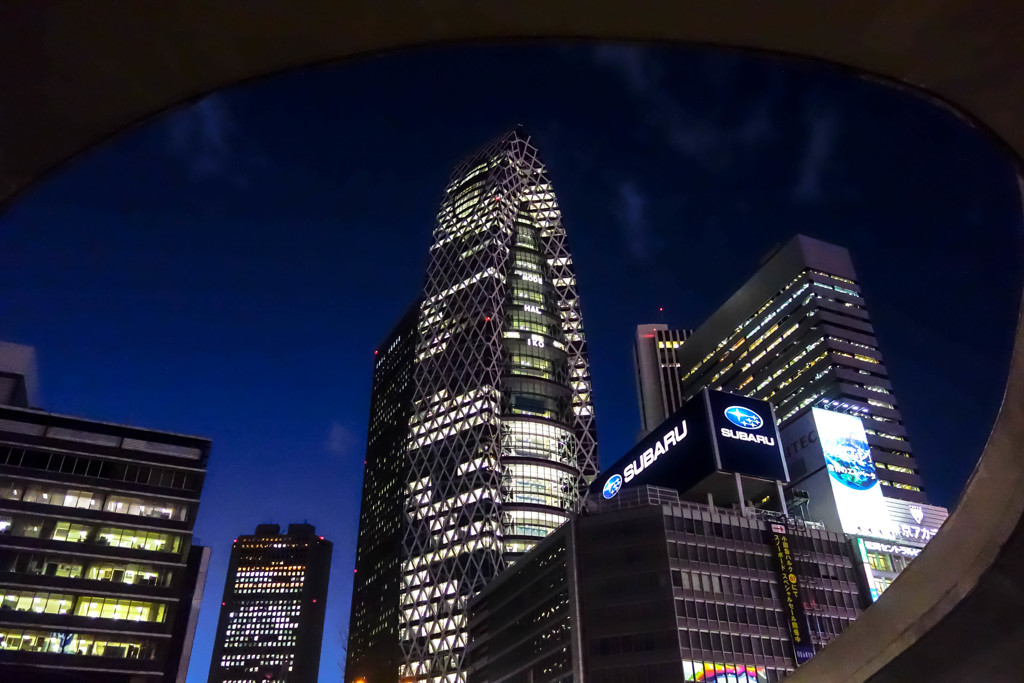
point(712, 432)
point(794, 606)
point(676, 454)
point(746, 435)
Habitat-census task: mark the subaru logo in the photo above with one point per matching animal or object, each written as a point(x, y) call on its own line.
point(612, 486)
point(743, 417)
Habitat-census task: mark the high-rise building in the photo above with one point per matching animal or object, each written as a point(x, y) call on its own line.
point(502, 437)
point(373, 653)
point(272, 613)
point(658, 380)
point(798, 334)
point(99, 579)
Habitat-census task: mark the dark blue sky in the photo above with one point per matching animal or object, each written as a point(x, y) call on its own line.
point(226, 269)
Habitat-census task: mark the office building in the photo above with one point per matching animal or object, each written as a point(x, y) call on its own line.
point(99, 578)
point(18, 375)
point(674, 573)
point(648, 587)
point(658, 380)
point(502, 436)
point(272, 613)
point(798, 334)
point(373, 652)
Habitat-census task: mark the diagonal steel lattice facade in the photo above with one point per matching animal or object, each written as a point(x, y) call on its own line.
point(502, 437)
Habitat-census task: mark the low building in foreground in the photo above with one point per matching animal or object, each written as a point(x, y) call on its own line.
point(646, 587)
point(674, 572)
point(272, 614)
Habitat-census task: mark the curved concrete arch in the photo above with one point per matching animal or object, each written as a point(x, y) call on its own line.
point(74, 73)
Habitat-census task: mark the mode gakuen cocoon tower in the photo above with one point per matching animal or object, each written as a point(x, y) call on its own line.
point(501, 436)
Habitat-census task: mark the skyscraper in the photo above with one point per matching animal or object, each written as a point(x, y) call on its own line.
point(99, 579)
point(655, 359)
point(798, 335)
point(272, 613)
point(502, 435)
point(373, 653)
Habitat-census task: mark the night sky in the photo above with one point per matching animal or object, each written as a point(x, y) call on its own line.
point(227, 269)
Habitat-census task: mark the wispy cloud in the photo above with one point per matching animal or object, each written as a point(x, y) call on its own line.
point(631, 63)
point(204, 138)
point(631, 209)
point(821, 136)
point(696, 133)
point(341, 440)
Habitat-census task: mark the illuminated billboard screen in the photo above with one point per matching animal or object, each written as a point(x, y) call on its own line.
point(785, 565)
point(713, 433)
point(851, 472)
point(746, 436)
point(717, 672)
point(676, 454)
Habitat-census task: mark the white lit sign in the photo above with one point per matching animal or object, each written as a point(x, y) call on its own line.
point(892, 549)
point(855, 486)
point(647, 458)
point(745, 436)
point(915, 522)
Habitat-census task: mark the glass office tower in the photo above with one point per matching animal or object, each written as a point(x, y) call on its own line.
point(373, 651)
point(502, 434)
point(272, 614)
point(798, 334)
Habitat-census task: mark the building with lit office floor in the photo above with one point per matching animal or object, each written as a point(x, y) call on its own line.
point(99, 579)
point(502, 437)
point(648, 584)
point(794, 334)
point(272, 613)
point(647, 587)
point(373, 652)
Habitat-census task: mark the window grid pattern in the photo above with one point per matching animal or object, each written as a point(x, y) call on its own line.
point(811, 341)
point(727, 595)
point(501, 348)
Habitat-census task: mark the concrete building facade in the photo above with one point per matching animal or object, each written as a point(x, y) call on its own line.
point(646, 587)
point(99, 577)
point(656, 362)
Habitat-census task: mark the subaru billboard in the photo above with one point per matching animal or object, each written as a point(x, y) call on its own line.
point(713, 433)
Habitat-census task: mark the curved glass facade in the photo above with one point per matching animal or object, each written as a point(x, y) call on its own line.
point(502, 436)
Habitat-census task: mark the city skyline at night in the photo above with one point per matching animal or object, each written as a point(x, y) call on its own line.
point(229, 268)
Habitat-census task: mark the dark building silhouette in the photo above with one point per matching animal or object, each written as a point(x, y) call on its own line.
point(373, 652)
point(272, 613)
point(99, 579)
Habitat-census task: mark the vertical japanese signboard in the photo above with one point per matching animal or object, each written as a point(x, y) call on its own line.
point(798, 631)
